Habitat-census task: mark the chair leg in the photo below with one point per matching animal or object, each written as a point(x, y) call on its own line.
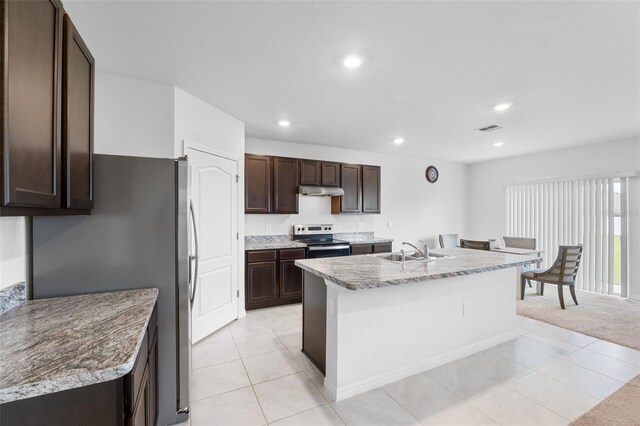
point(522, 287)
point(541, 289)
point(572, 289)
point(561, 296)
point(529, 282)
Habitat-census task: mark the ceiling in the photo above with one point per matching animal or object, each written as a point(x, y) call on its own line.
point(432, 71)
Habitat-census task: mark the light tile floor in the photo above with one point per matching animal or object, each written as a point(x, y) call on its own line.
point(253, 373)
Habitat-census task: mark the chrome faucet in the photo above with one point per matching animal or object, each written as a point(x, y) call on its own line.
point(426, 248)
point(411, 245)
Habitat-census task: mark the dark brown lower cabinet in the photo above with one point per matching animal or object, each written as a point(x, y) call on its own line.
point(272, 278)
point(290, 280)
point(370, 248)
point(131, 400)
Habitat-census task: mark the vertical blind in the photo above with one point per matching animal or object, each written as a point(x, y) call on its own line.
point(568, 212)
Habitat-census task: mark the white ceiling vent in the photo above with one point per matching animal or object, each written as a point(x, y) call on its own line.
point(490, 128)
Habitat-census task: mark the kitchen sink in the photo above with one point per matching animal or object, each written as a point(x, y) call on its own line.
point(410, 257)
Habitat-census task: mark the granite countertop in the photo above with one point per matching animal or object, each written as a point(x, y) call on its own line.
point(370, 240)
point(50, 345)
point(270, 242)
point(274, 242)
point(367, 271)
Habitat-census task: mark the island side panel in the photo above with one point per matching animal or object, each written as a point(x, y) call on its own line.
point(412, 328)
point(314, 319)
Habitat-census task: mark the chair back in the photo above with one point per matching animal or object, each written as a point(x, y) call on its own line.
point(476, 245)
point(449, 240)
point(565, 267)
point(520, 242)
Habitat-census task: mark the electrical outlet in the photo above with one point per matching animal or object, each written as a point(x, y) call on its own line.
point(466, 309)
point(390, 224)
point(330, 307)
point(359, 224)
point(267, 227)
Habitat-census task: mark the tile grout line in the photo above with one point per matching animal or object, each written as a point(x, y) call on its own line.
point(250, 382)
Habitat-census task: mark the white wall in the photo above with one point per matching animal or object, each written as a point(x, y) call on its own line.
point(488, 179)
point(133, 117)
point(206, 125)
point(13, 250)
point(416, 208)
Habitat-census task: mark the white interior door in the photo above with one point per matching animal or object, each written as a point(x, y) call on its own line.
point(214, 194)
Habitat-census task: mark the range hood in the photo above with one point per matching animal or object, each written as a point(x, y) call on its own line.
point(320, 191)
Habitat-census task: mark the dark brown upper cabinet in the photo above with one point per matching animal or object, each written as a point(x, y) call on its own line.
point(257, 191)
point(310, 172)
point(46, 147)
point(370, 189)
point(31, 95)
point(350, 181)
point(78, 71)
point(330, 174)
point(285, 185)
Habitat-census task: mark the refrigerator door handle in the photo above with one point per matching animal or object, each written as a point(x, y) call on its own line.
point(194, 259)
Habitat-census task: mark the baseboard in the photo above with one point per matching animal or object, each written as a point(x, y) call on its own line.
point(419, 367)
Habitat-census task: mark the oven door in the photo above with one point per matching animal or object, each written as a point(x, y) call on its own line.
point(328, 251)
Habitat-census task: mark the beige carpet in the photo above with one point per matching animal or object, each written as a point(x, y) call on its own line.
point(622, 408)
point(605, 317)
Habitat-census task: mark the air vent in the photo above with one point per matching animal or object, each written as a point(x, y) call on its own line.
point(490, 128)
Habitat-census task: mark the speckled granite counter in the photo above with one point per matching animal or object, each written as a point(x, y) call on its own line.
point(361, 238)
point(371, 240)
point(274, 242)
point(50, 345)
point(367, 271)
point(270, 242)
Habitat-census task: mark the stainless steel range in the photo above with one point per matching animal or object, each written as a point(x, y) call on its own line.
point(319, 240)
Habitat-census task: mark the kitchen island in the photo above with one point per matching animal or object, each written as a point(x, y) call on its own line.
point(412, 316)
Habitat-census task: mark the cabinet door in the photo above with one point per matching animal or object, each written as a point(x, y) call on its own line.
point(361, 249)
point(370, 189)
point(290, 280)
point(152, 403)
point(77, 120)
point(261, 289)
point(330, 174)
point(310, 172)
point(139, 415)
point(351, 201)
point(382, 248)
point(31, 147)
point(257, 189)
point(285, 185)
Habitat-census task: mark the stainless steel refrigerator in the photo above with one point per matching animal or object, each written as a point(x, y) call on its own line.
point(136, 237)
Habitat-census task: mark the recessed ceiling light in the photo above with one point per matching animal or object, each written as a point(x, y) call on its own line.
point(398, 141)
point(502, 107)
point(284, 123)
point(499, 143)
point(352, 61)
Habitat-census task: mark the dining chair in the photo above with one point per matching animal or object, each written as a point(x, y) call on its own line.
point(449, 240)
point(476, 245)
point(562, 273)
point(520, 242)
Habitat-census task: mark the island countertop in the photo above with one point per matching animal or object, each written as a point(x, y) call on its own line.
point(50, 345)
point(367, 271)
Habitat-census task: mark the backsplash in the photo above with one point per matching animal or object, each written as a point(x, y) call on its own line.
point(311, 210)
point(12, 296)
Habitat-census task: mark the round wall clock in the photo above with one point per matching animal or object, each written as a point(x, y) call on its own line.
point(432, 174)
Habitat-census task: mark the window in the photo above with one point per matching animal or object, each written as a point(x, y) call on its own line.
point(591, 212)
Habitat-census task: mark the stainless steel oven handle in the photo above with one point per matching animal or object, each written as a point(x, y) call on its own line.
point(325, 248)
point(193, 284)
